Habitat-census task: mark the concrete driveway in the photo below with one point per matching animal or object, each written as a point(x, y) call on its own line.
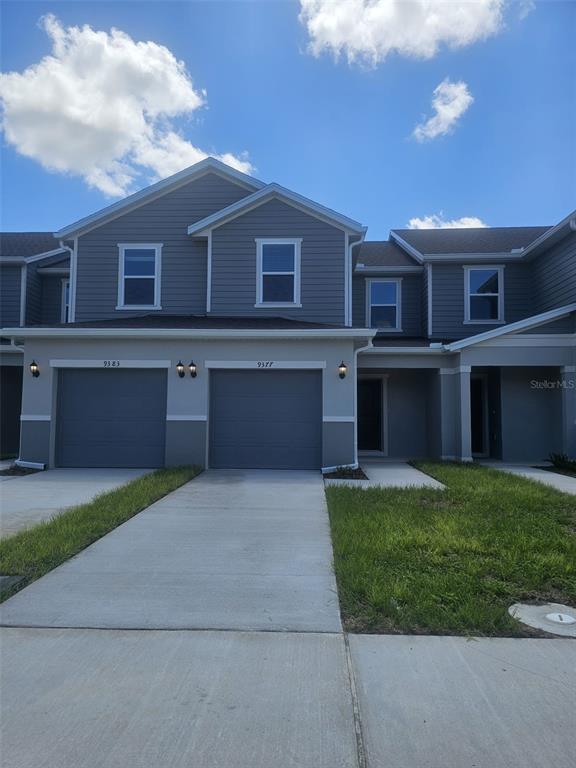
point(230, 550)
point(29, 499)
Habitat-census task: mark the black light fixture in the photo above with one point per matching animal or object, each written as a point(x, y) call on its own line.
point(34, 369)
point(192, 369)
point(180, 368)
point(342, 370)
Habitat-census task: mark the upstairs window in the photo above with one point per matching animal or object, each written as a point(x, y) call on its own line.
point(278, 272)
point(139, 276)
point(65, 303)
point(384, 304)
point(484, 299)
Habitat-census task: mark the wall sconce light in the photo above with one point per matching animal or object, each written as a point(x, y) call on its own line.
point(34, 369)
point(192, 369)
point(342, 370)
point(180, 369)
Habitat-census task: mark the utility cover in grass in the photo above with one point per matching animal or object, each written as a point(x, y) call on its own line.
point(555, 618)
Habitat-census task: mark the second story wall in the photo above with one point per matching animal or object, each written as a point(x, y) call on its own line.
point(10, 277)
point(322, 274)
point(448, 300)
point(163, 220)
point(554, 275)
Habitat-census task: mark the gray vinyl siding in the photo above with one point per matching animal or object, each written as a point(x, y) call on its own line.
point(10, 277)
point(35, 290)
point(322, 263)
point(412, 318)
point(51, 307)
point(448, 300)
point(163, 220)
point(554, 281)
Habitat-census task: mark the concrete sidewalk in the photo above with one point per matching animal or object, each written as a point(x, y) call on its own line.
point(450, 702)
point(389, 474)
point(244, 550)
point(563, 483)
point(29, 499)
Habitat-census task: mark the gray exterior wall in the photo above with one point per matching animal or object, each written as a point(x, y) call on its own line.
point(322, 263)
point(531, 416)
point(163, 220)
point(51, 302)
point(554, 275)
point(10, 277)
point(410, 410)
point(448, 300)
point(413, 316)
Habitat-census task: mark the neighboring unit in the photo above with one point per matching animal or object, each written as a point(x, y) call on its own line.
point(217, 320)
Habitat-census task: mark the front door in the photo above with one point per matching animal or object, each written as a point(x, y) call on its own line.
point(370, 415)
point(479, 415)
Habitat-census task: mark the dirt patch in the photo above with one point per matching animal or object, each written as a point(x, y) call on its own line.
point(559, 471)
point(16, 471)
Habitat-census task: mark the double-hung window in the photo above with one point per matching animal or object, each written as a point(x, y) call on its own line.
point(484, 294)
point(384, 301)
point(278, 272)
point(139, 276)
point(65, 301)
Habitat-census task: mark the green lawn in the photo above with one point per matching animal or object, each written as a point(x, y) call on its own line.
point(452, 561)
point(35, 551)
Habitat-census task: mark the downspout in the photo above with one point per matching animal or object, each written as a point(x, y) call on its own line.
point(72, 252)
point(349, 273)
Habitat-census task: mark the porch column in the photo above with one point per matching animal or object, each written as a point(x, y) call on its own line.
point(568, 378)
point(464, 417)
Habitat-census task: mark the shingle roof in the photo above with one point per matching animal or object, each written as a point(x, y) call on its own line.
point(200, 322)
point(23, 244)
point(473, 240)
point(383, 253)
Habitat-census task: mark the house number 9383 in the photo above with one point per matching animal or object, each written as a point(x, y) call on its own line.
point(111, 363)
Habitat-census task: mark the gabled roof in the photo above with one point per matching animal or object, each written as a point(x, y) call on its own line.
point(520, 325)
point(209, 165)
point(480, 240)
point(22, 245)
point(270, 192)
point(551, 236)
point(383, 253)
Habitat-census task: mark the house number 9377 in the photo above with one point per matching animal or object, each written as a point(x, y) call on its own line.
point(265, 363)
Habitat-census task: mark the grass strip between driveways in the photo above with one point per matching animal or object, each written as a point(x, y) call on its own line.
point(37, 550)
point(451, 561)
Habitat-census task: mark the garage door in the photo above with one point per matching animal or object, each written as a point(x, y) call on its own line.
point(266, 419)
point(111, 418)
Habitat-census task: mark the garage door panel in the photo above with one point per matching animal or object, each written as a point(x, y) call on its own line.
point(266, 419)
point(111, 418)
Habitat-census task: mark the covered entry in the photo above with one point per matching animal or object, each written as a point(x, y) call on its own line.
point(266, 419)
point(111, 418)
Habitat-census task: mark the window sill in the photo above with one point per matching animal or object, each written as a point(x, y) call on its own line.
point(132, 307)
point(277, 304)
point(484, 322)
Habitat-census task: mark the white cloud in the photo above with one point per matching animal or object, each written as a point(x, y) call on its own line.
point(101, 106)
point(368, 31)
point(449, 102)
point(437, 221)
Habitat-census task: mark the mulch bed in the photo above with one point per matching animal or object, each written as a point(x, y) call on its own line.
point(347, 474)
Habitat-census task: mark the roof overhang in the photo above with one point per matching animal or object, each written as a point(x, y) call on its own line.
point(188, 333)
point(521, 325)
point(551, 237)
point(209, 165)
point(270, 192)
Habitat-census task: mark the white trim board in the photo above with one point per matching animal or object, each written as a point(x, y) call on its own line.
point(31, 417)
point(175, 417)
point(266, 365)
point(83, 363)
point(222, 334)
point(339, 419)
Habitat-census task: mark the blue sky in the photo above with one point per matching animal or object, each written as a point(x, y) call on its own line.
point(338, 132)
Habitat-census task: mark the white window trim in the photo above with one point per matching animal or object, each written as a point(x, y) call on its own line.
point(398, 304)
point(467, 270)
point(297, 243)
point(157, 248)
point(65, 281)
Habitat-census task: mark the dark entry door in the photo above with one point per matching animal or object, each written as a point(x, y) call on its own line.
point(370, 414)
point(479, 415)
